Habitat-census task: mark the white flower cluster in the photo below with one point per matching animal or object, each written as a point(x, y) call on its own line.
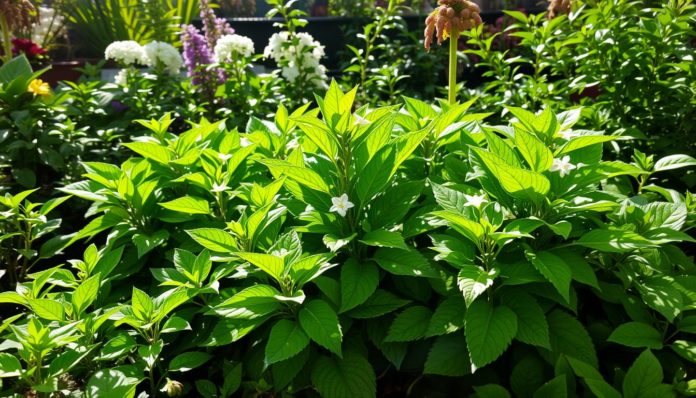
point(165, 55)
point(230, 45)
point(153, 54)
point(127, 52)
point(48, 26)
point(293, 58)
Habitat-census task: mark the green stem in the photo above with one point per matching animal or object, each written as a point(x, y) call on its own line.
point(6, 41)
point(454, 39)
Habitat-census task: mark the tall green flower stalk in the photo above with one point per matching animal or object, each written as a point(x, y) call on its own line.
point(447, 21)
point(454, 44)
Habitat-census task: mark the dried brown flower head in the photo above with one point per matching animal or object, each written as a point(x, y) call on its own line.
point(20, 15)
point(559, 7)
point(451, 17)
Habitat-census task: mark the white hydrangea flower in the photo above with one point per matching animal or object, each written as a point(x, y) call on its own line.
point(341, 205)
point(164, 54)
point(475, 200)
point(48, 26)
point(126, 53)
point(563, 166)
point(302, 57)
point(230, 45)
point(121, 77)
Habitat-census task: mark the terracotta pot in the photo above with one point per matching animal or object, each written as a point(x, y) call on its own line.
point(63, 70)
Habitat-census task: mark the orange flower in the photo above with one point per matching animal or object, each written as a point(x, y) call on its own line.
point(451, 18)
point(559, 7)
point(39, 87)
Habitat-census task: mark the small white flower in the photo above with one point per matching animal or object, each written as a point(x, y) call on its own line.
point(292, 144)
point(280, 253)
point(244, 142)
point(230, 45)
point(360, 121)
point(224, 156)
point(219, 187)
point(563, 166)
point(126, 52)
point(569, 134)
point(475, 200)
point(341, 205)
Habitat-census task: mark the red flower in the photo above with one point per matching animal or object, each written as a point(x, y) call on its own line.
point(27, 47)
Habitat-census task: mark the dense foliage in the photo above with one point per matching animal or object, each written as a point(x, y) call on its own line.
point(226, 234)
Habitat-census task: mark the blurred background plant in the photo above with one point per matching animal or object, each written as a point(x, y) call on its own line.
point(238, 8)
point(97, 23)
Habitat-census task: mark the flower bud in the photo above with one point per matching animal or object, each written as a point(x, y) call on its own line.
point(173, 388)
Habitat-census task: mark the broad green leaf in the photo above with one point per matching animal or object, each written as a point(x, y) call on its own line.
point(448, 357)
point(9, 365)
point(646, 372)
point(188, 361)
point(534, 151)
point(285, 341)
point(383, 238)
point(319, 134)
point(532, 327)
point(349, 377)
point(582, 142)
point(381, 302)
point(662, 295)
point(568, 336)
point(320, 323)
point(48, 309)
point(409, 325)
point(554, 269)
point(448, 317)
point(594, 380)
point(188, 205)
point(528, 375)
point(256, 301)
point(674, 162)
point(474, 281)
point(118, 346)
point(491, 391)
point(284, 372)
point(214, 239)
point(406, 144)
point(85, 294)
point(613, 240)
point(375, 176)
point(502, 149)
point(519, 183)
point(556, 387)
point(142, 304)
point(358, 282)
point(232, 379)
point(489, 330)
point(405, 262)
point(152, 151)
point(16, 68)
point(449, 199)
point(638, 335)
point(302, 175)
point(470, 229)
point(268, 263)
point(685, 349)
point(117, 382)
